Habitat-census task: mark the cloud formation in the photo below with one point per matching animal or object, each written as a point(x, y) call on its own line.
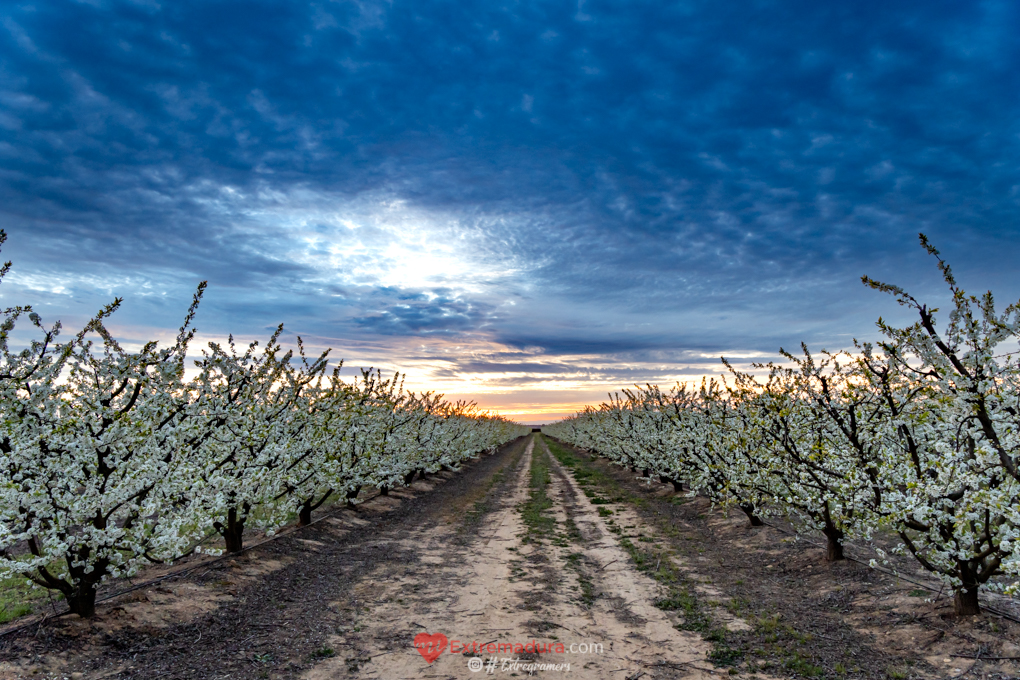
point(596, 184)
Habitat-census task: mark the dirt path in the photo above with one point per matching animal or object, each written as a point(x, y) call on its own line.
point(570, 588)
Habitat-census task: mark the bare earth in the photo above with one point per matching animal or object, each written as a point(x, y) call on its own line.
point(648, 584)
point(495, 588)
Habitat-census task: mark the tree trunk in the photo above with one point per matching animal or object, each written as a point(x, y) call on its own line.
point(663, 479)
point(834, 544)
point(677, 486)
point(305, 514)
point(384, 490)
point(83, 600)
point(233, 533)
point(409, 477)
point(422, 474)
point(965, 599)
point(753, 518)
point(965, 602)
point(646, 473)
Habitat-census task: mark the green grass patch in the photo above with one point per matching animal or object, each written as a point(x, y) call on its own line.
point(534, 511)
point(18, 598)
point(585, 584)
point(724, 655)
point(323, 653)
point(573, 534)
point(802, 666)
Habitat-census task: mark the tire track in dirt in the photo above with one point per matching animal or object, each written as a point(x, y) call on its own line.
point(497, 582)
point(642, 636)
point(456, 587)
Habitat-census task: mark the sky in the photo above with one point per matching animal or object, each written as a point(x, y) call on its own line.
point(528, 204)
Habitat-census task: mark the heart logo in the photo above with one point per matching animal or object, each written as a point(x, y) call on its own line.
point(430, 646)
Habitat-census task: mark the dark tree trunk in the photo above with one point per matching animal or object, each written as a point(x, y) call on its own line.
point(965, 602)
point(646, 473)
point(82, 601)
point(384, 490)
point(78, 588)
point(677, 486)
point(305, 514)
point(233, 533)
point(752, 516)
point(834, 544)
point(663, 479)
point(409, 477)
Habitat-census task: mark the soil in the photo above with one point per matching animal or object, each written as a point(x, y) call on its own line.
point(538, 543)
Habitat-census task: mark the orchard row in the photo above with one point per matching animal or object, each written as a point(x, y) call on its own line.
point(110, 459)
point(917, 435)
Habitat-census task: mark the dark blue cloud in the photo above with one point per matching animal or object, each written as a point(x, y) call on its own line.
point(639, 176)
point(426, 314)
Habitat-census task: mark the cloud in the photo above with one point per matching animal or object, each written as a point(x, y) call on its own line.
point(627, 180)
point(426, 314)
